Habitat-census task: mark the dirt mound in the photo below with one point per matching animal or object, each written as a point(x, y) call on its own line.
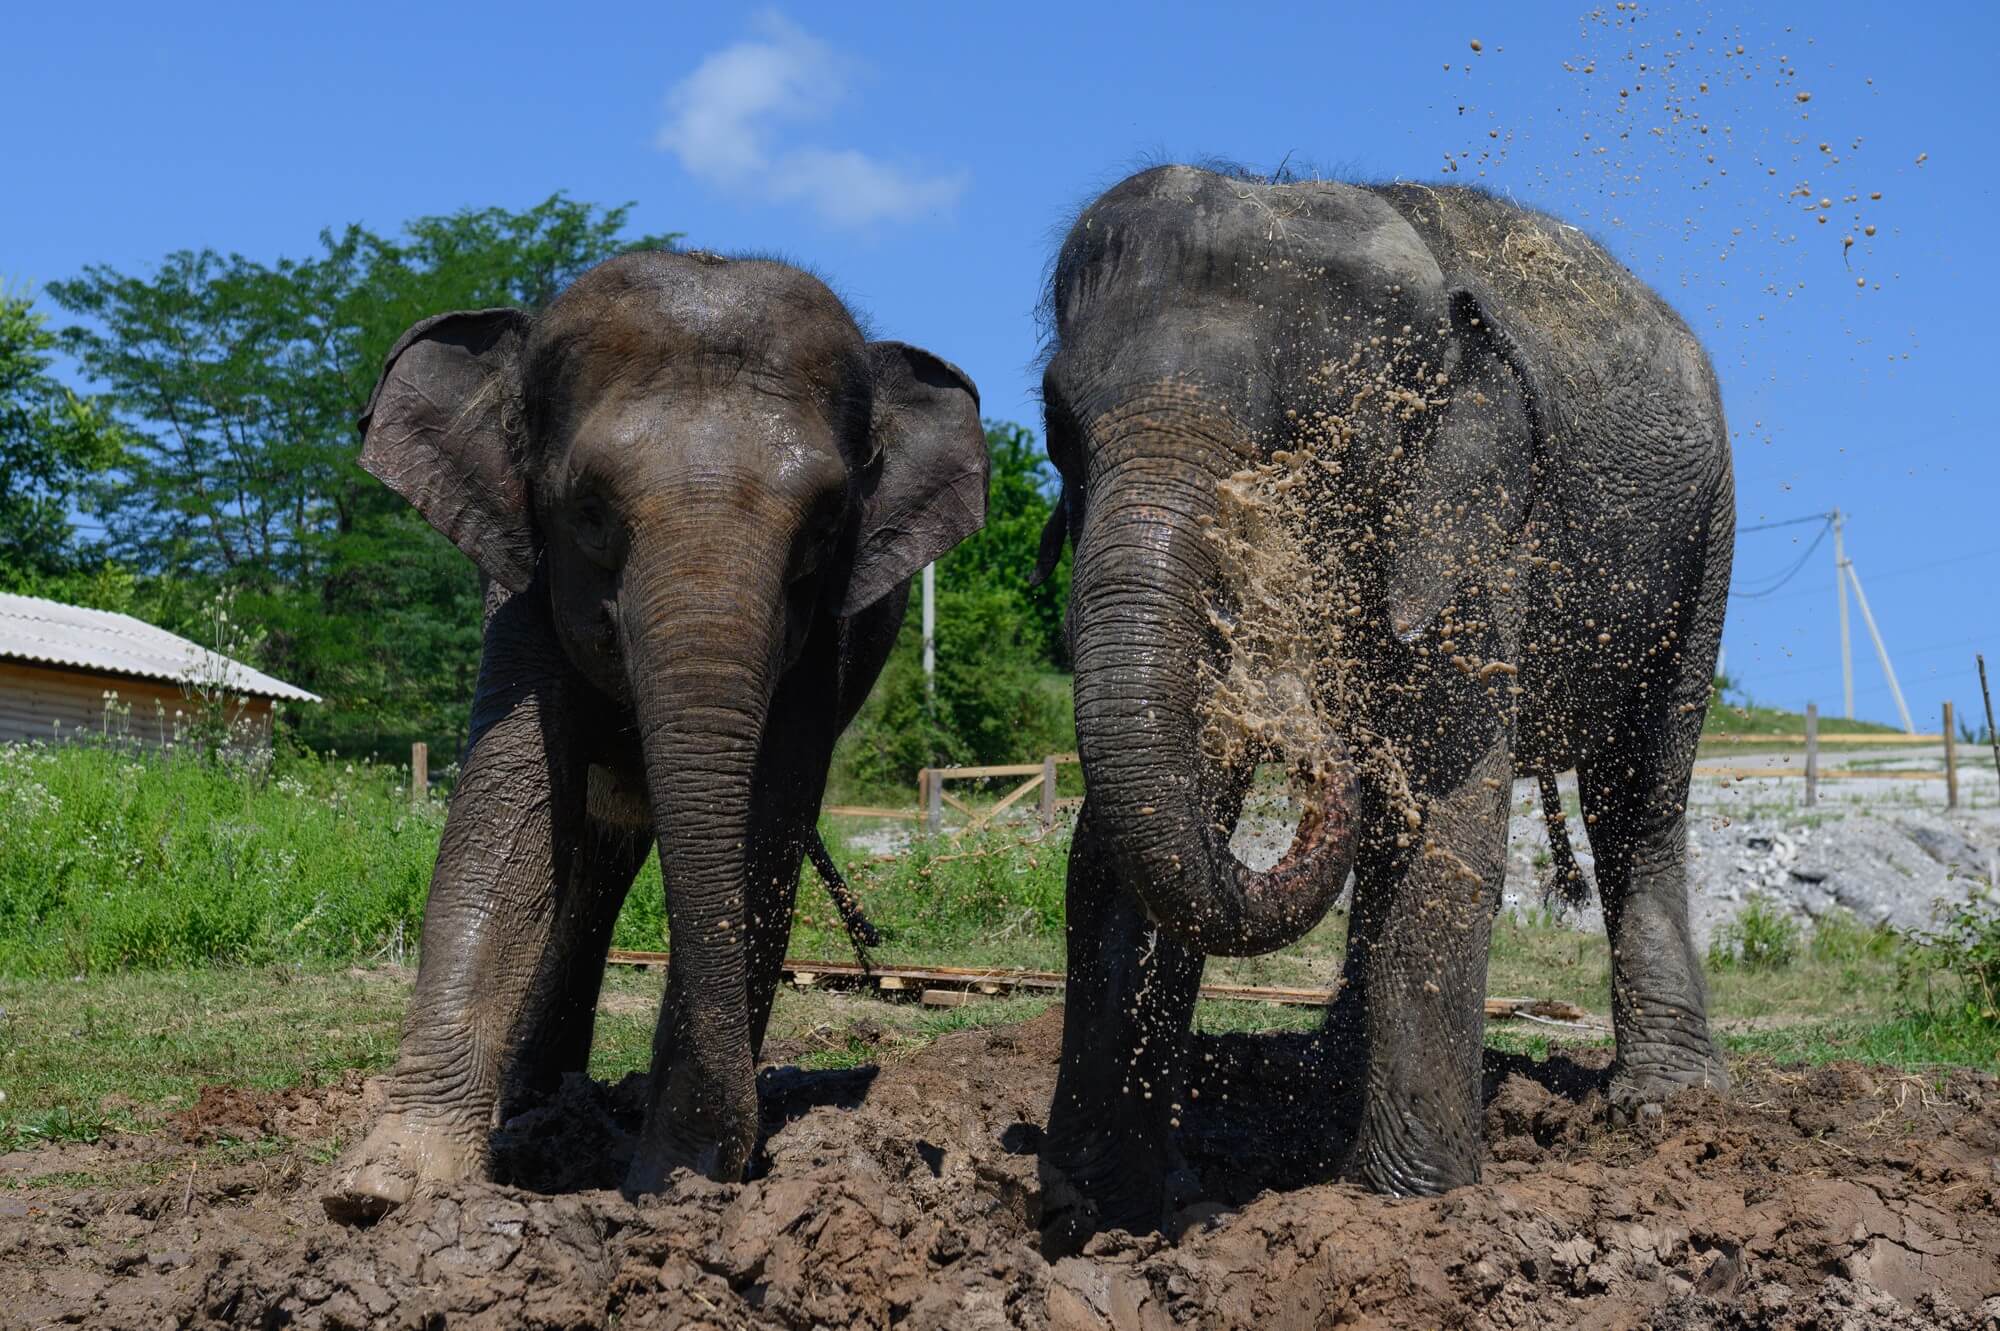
point(302, 1112)
point(907, 1194)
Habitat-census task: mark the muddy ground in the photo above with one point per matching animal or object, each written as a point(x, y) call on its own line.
point(905, 1194)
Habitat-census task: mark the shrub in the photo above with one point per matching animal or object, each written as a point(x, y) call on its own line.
point(1762, 937)
point(1965, 949)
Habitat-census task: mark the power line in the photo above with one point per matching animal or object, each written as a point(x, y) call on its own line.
point(1910, 569)
point(1793, 571)
point(1788, 522)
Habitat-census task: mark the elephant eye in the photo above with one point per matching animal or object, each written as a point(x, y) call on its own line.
point(816, 539)
point(591, 525)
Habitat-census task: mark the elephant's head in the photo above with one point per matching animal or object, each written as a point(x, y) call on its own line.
point(701, 458)
point(1202, 322)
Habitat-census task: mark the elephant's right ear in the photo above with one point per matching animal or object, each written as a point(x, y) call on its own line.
point(436, 433)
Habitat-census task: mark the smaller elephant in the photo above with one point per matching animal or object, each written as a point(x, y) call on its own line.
point(697, 495)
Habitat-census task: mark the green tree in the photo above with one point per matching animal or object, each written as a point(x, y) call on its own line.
point(999, 695)
point(1001, 556)
point(51, 443)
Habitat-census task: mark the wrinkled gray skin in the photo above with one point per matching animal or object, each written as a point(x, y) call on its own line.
point(1561, 503)
point(698, 495)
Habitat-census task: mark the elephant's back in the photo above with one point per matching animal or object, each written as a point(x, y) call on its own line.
point(1584, 319)
point(1626, 394)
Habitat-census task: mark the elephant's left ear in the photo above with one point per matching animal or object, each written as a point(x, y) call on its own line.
point(1471, 491)
point(926, 490)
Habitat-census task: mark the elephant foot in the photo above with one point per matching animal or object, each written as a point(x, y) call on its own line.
point(651, 1169)
point(402, 1157)
point(725, 1159)
point(1396, 1154)
point(1118, 1185)
point(1641, 1086)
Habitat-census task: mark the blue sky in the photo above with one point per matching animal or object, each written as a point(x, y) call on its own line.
point(924, 156)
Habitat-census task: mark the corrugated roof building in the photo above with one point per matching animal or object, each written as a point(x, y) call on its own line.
point(67, 672)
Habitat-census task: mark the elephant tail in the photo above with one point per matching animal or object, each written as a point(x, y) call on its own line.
point(862, 934)
point(1570, 886)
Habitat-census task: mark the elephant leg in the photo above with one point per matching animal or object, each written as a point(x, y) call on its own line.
point(501, 915)
point(806, 719)
point(773, 891)
point(1637, 820)
point(559, 1018)
point(1108, 1157)
point(1410, 1021)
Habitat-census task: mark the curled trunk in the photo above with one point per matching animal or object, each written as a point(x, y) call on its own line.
point(1143, 581)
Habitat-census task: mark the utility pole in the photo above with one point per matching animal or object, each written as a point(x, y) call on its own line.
point(1846, 643)
point(930, 629)
point(1881, 650)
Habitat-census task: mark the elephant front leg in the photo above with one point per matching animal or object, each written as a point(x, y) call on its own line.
point(501, 916)
point(1108, 1158)
point(1411, 1019)
point(559, 1019)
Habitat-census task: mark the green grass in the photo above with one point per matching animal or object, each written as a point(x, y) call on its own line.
point(166, 925)
point(79, 1054)
point(1747, 718)
point(111, 862)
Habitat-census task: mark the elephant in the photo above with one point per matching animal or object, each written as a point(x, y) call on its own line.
point(697, 495)
point(1510, 486)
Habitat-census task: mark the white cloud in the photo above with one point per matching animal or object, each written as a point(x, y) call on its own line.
point(726, 122)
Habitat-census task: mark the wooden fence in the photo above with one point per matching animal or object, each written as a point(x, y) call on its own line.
point(933, 799)
point(1811, 773)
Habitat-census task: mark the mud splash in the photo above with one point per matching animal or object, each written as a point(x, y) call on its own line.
point(907, 1195)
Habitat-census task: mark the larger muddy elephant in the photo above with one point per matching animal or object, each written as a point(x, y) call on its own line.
point(1501, 490)
point(698, 496)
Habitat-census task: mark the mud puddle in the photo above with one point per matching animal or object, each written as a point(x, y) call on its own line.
point(906, 1195)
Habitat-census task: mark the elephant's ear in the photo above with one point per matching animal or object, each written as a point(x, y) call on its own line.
point(1055, 534)
point(925, 491)
point(436, 433)
point(1469, 496)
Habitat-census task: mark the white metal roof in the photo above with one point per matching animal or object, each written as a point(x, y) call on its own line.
point(52, 633)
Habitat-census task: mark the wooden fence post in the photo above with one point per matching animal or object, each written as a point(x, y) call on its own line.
point(933, 788)
point(420, 772)
point(1992, 734)
point(1812, 754)
point(1048, 792)
point(1950, 761)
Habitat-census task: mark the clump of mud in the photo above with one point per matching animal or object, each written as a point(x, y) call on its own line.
point(906, 1195)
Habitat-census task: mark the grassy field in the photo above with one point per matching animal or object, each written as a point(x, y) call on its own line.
point(80, 1055)
point(168, 925)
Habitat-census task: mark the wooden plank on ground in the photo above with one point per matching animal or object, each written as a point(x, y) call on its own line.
point(988, 981)
point(948, 997)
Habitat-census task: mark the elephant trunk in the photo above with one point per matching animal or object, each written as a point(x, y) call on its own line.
point(702, 649)
point(1144, 577)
